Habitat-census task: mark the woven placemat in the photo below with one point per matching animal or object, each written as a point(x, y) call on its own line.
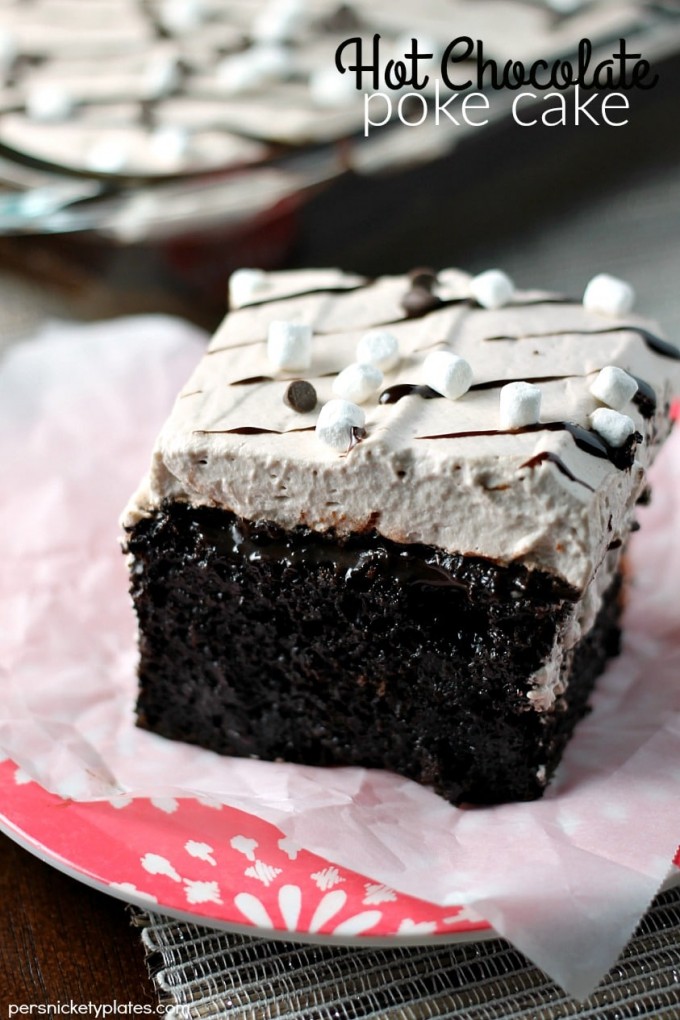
point(202, 974)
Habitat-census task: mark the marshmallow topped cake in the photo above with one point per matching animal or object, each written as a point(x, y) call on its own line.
point(141, 89)
point(384, 523)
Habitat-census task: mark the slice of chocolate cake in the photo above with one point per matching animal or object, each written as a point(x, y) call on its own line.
point(384, 523)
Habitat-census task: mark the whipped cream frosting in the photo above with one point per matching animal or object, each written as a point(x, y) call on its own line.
point(552, 679)
point(432, 471)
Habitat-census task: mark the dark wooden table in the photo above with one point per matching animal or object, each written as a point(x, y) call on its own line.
point(61, 940)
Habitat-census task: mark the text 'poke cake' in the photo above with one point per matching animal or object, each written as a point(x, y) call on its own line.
point(384, 523)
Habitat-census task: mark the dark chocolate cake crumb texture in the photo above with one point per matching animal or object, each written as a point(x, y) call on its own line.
point(258, 642)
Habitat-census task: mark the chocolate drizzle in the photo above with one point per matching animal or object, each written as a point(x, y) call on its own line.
point(245, 430)
point(418, 301)
point(357, 433)
point(645, 398)
point(393, 394)
point(493, 383)
point(621, 457)
point(343, 19)
point(266, 299)
point(249, 430)
point(252, 381)
point(587, 441)
point(653, 342)
point(552, 458)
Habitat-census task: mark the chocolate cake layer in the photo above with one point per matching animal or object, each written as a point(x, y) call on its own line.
point(356, 650)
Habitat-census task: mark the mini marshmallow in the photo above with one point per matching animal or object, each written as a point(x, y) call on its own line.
point(289, 345)
point(331, 90)
point(566, 6)
point(380, 348)
point(254, 68)
point(8, 52)
point(246, 284)
point(161, 77)
point(48, 104)
point(358, 382)
point(492, 289)
point(448, 374)
point(279, 21)
point(180, 16)
point(608, 295)
point(614, 427)
point(614, 387)
point(336, 423)
point(107, 156)
point(168, 145)
point(142, 209)
point(520, 404)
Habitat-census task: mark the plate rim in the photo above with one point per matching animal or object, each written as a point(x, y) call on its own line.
point(234, 927)
point(42, 853)
point(33, 845)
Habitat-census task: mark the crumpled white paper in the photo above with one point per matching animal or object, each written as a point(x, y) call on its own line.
point(566, 879)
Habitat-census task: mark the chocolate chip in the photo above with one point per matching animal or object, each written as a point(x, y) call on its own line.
point(423, 277)
point(300, 395)
point(419, 301)
point(357, 434)
point(343, 19)
point(145, 114)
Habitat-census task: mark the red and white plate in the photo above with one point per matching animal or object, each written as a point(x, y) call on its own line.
point(214, 864)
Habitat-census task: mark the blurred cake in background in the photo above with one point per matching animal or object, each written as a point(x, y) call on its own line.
point(156, 144)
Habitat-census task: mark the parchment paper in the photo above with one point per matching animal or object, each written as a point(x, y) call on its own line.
point(565, 879)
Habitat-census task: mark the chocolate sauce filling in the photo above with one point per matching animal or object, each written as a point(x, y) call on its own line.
point(351, 560)
point(360, 557)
